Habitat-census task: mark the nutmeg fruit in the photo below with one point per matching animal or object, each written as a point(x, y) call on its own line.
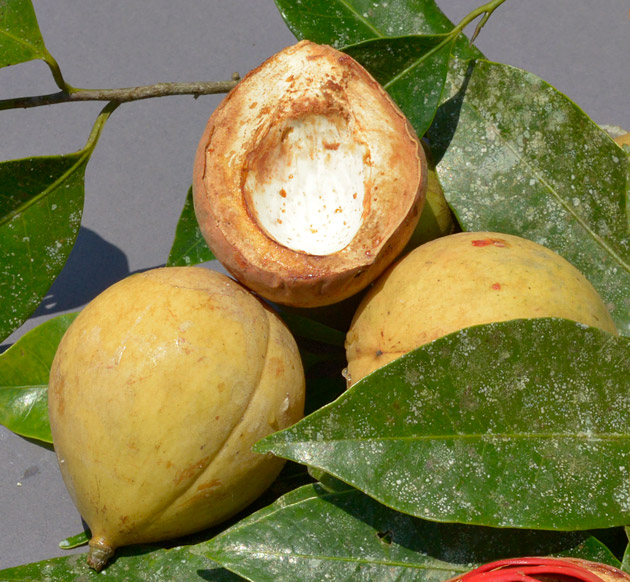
point(157, 392)
point(461, 280)
point(308, 180)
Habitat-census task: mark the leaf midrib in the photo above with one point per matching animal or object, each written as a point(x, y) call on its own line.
point(485, 438)
point(362, 19)
point(351, 560)
point(419, 61)
point(29, 45)
point(81, 157)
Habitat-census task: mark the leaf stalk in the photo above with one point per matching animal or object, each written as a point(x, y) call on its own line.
point(450, 37)
point(486, 10)
point(55, 69)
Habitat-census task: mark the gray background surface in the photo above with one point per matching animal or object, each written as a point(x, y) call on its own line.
point(139, 174)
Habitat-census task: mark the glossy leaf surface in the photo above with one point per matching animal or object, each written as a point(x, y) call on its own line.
point(133, 564)
point(517, 156)
point(20, 38)
point(316, 533)
point(345, 22)
point(189, 247)
point(24, 371)
point(514, 424)
point(41, 205)
point(411, 69)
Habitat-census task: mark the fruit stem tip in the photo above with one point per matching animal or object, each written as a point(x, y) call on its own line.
point(99, 554)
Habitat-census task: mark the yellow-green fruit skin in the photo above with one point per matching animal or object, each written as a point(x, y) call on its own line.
point(462, 280)
point(436, 219)
point(157, 393)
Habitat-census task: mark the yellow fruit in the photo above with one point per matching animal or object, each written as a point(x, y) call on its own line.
point(437, 219)
point(157, 392)
point(463, 280)
point(308, 180)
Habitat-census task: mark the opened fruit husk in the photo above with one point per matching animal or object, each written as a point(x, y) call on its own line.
point(308, 179)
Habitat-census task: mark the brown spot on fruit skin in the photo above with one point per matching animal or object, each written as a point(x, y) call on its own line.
point(190, 471)
point(210, 485)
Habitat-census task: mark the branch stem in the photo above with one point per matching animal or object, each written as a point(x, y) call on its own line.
point(122, 95)
point(68, 93)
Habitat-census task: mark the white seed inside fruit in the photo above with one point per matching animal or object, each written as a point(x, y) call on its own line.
point(306, 184)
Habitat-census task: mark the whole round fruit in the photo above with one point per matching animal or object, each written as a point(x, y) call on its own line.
point(158, 390)
point(308, 180)
point(462, 280)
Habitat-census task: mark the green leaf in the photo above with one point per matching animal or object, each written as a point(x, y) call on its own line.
point(132, 564)
point(20, 38)
point(516, 156)
point(41, 205)
point(24, 371)
point(345, 22)
point(314, 534)
point(304, 327)
point(514, 424)
point(189, 247)
point(411, 69)
point(75, 541)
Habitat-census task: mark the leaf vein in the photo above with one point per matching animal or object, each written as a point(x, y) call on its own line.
point(362, 19)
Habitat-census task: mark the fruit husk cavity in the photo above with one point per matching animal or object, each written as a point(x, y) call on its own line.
point(308, 179)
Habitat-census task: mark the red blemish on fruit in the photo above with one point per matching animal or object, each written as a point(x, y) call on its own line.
point(283, 193)
point(496, 286)
point(497, 242)
point(528, 570)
